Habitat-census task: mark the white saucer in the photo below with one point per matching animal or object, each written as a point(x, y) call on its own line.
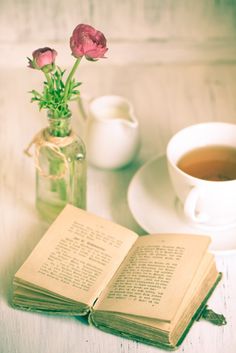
point(153, 203)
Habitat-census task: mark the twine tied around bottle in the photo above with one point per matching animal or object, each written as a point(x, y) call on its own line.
point(44, 139)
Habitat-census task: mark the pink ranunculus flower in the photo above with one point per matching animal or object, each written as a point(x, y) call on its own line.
point(87, 41)
point(43, 59)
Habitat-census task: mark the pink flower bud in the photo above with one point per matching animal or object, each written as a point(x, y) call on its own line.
point(43, 59)
point(87, 41)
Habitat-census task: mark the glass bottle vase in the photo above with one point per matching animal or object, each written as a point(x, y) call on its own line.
point(61, 168)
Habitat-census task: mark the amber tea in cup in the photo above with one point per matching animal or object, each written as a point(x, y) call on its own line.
point(201, 162)
point(214, 163)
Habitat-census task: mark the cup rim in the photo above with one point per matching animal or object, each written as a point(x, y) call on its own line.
point(180, 171)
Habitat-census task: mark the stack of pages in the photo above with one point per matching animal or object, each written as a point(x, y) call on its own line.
point(149, 288)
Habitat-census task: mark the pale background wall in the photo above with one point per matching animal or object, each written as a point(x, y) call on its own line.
point(29, 20)
point(188, 28)
point(175, 59)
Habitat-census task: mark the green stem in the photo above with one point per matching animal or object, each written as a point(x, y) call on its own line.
point(76, 64)
point(48, 78)
point(81, 108)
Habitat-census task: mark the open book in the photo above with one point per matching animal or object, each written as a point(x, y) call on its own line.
point(148, 288)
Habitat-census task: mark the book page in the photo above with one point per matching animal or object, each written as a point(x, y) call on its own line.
point(202, 273)
point(77, 256)
point(155, 276)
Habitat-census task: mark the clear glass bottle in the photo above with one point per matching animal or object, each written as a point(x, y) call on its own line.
point(61, 174)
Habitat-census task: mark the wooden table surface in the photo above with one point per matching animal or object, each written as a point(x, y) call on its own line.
point(166, 98)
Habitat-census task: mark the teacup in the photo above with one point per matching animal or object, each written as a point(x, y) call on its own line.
point(202, 167)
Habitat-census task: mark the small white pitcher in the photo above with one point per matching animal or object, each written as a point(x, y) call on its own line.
point(112, 134)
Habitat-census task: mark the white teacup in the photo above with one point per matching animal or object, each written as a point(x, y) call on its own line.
point(205, 202)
